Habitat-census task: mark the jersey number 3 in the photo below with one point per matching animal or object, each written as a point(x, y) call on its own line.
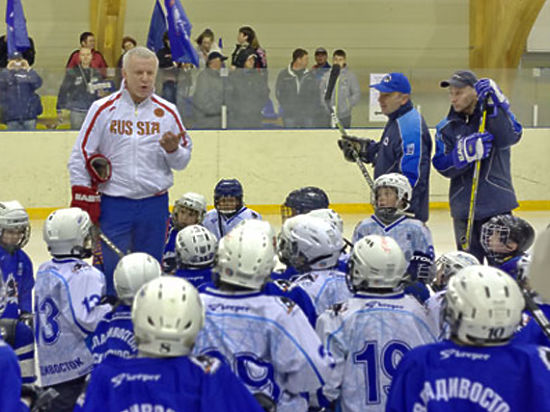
point(47, 326)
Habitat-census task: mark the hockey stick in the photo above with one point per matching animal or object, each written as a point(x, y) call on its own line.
point(98, 233)
point(467, 239)
point(539, 279)
point(334, 73)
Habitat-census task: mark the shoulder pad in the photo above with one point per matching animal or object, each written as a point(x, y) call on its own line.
point(288, 304)
point(441, 125)
point(207, 363)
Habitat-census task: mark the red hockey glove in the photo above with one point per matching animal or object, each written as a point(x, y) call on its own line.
point(99, 168)
point(87, 199)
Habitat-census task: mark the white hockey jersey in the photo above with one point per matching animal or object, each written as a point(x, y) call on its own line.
point(324, 287)
point(367, 336)
point(268, 343)
point(410, 234)
point(66, 295)
point(434, 306)
point(220, 225)
point(128, 135)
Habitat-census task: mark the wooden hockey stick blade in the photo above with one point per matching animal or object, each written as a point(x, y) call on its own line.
point(539, 268)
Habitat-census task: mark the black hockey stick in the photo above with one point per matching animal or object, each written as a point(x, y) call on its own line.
point(539, 279)
point(334, 73)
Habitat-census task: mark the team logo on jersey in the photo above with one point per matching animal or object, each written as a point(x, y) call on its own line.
point(159, 112)
point(410, 149)
point(386, 141)
point(127, 127)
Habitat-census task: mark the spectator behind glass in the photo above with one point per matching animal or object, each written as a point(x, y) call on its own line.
point(321, 65)
point(247, 94)
point(246, 40)
point(20, 104)
point(204, 46)
point(168, 71)
point(127, 44)
point(28, 54)
point(87, 39)
point(209, 93)
point(81, 86)
point(297, 91)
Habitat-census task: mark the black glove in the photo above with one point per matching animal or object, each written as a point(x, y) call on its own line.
point(421, 267)
point(353, 146)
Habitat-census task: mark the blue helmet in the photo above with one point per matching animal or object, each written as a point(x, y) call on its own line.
point(228, 188)
point(304, 200)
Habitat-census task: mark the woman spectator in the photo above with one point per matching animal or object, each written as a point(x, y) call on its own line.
point(204, 46)
point(248, 40)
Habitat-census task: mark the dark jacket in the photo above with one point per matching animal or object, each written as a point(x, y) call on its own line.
point(405, 147)
point(208, 99)
point(495, 193)
point(247, 94)
point(80, 88)
point(17, 94)
point(298, 94)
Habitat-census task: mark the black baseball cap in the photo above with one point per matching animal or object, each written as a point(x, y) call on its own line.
point(460, 79)
point(214, 54)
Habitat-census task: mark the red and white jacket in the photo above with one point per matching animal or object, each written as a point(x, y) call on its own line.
point(128, 135)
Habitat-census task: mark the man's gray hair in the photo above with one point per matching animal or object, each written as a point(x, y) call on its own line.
point(140, 52)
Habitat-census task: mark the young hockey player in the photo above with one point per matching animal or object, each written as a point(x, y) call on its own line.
point(188, 210)
point(368, 334)
point(10, 381)
point(66, 297)
point(15, 264)
point(312, 246)
point(267, 339)
point(505, 240)
point(446, 266)
point(229, 208)
point(391, 196)
point(167, 315)
point(195, 247)
point(114, 335)
point(303, 200)
point(477, 369)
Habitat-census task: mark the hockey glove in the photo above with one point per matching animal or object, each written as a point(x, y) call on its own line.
point(353, 146)
point(469, 149)
point(87, 199)
point(99, 168)
point(421, 267)
point(487, 88)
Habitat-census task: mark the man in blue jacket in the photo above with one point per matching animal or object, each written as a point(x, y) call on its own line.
point(459, 145)
point(405, 146)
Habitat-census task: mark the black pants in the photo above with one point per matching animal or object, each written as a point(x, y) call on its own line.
point(68, 394)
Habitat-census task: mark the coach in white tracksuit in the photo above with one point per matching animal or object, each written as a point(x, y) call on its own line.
point(143, 137)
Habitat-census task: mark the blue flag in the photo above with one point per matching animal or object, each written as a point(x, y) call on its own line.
point(179, 32)
point(17, 37)
point(157, 28)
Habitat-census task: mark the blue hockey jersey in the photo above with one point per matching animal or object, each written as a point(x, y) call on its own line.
point(197, 277)
point(182, 384)
point(10, 381)
point(169, 261)
point(448, 377)
point(19, 280)
point(114, 335)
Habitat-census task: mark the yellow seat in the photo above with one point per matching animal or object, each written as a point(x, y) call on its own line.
point(48, 118)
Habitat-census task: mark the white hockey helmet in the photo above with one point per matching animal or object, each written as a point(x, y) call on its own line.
point(193, 201)
point(448, 264)
point(330, 216)
point(245, 257)
point(67, 233)
point(308, 243)
point(133, 271)
point(196, 246)
point(263, 226)
point(14, 216)
point(483, 305)
point(376, 262)
point(398, 182)
point(167, 315)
